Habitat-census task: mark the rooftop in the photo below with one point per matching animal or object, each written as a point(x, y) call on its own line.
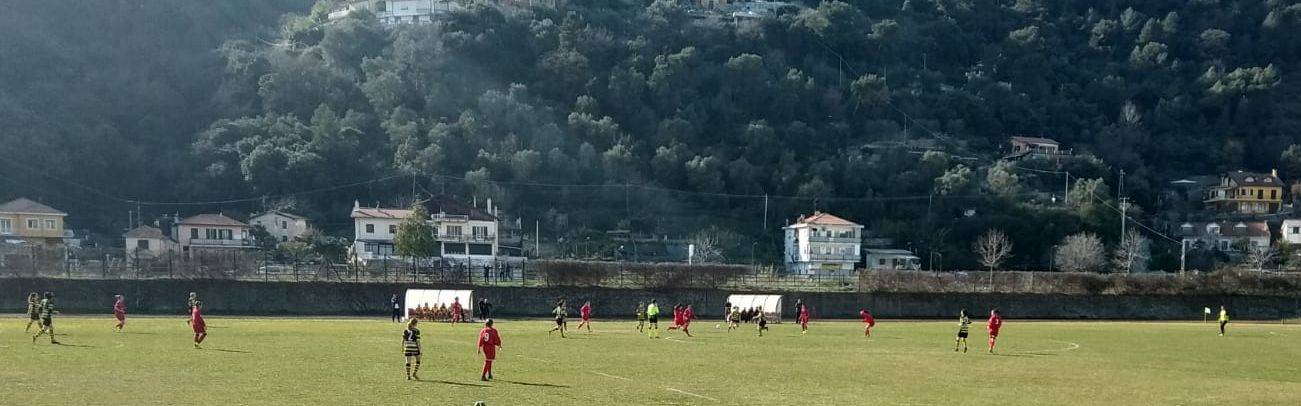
point(1034, 140)
point(820, 218)
point(210, 219)
point(1244, 178)
point(146, 232)
point(28, 206)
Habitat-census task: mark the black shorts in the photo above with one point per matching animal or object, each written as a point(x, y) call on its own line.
point(47, 322)
point(34, 317)
point(560, 321)
point(962, 334)
point(763, 324)
point(654, 319)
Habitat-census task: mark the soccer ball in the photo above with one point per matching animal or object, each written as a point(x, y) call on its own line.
point(718, 326)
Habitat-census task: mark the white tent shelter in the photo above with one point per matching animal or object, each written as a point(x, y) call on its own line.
point(770, 304)
point(436, 297)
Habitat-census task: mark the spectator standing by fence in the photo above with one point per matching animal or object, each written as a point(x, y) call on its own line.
point(396, 305)
point(485, 309)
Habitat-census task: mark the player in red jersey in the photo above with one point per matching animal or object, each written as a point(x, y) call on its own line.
point(868, 322)
point(489, 342)
point(677, 317)
point(119, 311)
point(687, 316)
point(995, 323)
point(197, 323)
point(802, 316)
point(456, 310)
point(585, 313)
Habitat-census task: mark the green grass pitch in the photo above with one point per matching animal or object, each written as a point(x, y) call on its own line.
point(358, 361)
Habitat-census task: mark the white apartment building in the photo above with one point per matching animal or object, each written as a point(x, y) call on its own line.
point(823, 244)
point(465, 234)
point(399, 11)
point(211, 232)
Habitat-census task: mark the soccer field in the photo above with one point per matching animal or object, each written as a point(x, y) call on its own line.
point(358, 361)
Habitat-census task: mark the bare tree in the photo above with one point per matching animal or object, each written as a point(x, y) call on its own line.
point(993, 248)
point(709, 248)
point(1081, 252)
point(1260, 255)
point(1133, 253)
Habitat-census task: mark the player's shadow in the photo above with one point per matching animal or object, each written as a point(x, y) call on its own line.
point(231, 351)
point(75, 345)
point(546, 385)
point(1023, 354)
point(138, 333)
point(453, 383)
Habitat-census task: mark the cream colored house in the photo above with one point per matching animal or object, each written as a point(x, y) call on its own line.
point(148, 242)
point(26, 221)
point(283, 226)
point(211, 231)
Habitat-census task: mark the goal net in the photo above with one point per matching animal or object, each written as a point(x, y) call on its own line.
point(771, 305)
point(435, 298)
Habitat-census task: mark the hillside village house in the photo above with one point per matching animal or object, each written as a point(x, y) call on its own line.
point(891, 260)
point(148, 242)
point(464, 233)
point(1225, 236)
point(822, 244)
point(1291, 231)
point(25, 221)
point(1034, 147)
point(1246, 193)
point(211, 232)
point(283, 226)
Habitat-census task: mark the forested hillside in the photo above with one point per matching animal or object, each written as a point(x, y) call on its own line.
point(632, 115)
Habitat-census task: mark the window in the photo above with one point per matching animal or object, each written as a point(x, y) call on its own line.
point(1273, 194)
point(210, 234)
point(392, 228)
point(370, 228)
point(1296, 230)
point(6, 226)
point(454, 230)
point(32, 224)
point(284, 224)
point(51, 224)
point(229, 234)
point(142, 245)
point(881, 262)
point(480, 231)
point(194, 233)
point(284, 238)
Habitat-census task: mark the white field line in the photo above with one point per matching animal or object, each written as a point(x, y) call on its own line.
point(680, 341)
point(614, 376)
point(691, 394)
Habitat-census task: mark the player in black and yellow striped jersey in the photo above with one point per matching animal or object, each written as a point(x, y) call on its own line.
point(33, 310)
point(47, 313)
point(964, 327)
point(411, 349)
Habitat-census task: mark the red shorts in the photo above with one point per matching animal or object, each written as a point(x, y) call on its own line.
point(489, 354)
point(993, 333)
point(804, 319)
point(199, 327)
point(120, 316)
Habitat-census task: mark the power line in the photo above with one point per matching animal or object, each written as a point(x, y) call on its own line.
point(134, 201)
point(1135, 221)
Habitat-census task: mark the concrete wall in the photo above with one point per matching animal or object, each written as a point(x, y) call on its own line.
point(288, 298)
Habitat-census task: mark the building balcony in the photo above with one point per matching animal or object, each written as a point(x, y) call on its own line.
point(843, 240)
point(465, 238)
point(205, 242)
point(833, 257)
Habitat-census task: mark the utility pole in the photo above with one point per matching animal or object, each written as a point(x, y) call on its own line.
point(1124, 203)
point(1183, 253)
point(1066, 198)
point(765, 212)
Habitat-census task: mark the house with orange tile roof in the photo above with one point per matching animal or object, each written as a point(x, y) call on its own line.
point(823, 244)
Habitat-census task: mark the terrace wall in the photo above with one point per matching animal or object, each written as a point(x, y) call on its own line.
point(226, 297)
